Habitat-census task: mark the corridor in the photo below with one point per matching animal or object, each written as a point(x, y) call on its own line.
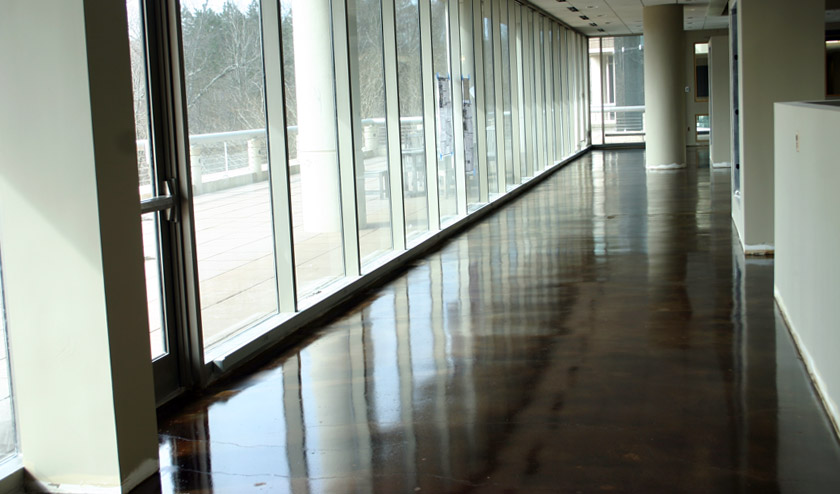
point(602, 333)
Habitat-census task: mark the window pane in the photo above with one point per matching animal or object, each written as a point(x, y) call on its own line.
point(412, 137)
point(489, 96)
point(623, 90)
point(229, 165)
point(372, 182)
point(539, 95)
point(531, 94)
point(148, 176)
point(444, 112)
point(154, 288)
point(312, 144)
point(8, 437)
point(520, 88)
point(549, 93)
point(468, 104)
point(506, 95)
point(595, 84)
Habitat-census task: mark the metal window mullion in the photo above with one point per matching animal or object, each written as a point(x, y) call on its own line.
point(603, 89)
point(284, 262)
point(429, 123)
point(558, 94)
point(392, 120)
point(573, 90)
point(584, 93)
point(587, 94)
point(188, 303)
point(514, 91)
point(481, 109)
point(346, 146)
point(457, 105)
point(577, 91)
point(501, 163)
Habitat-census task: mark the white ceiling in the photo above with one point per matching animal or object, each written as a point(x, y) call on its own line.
point(617, 17)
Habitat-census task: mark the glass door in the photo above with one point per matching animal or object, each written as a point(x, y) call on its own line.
point(157, 198)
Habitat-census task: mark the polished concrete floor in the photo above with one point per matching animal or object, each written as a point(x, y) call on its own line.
point(603, 333)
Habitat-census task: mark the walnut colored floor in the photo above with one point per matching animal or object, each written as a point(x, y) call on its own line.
point(603, 333)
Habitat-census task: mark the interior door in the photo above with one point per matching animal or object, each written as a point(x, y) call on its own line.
point(158, 192)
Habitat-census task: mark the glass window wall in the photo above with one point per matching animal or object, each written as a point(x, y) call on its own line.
point(367, 78)
point(504, 34)
point(468, 95)
point(234, 234)
point(270, 234)
point(8, 435)
point(444, 112)
point(149, 178)
point(412, 125)
point(617, 89)
point(313, 164)
point(489, 95)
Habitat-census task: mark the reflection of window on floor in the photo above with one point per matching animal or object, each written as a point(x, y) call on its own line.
point(8, 438)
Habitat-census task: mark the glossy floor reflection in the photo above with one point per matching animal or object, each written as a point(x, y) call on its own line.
point(601, 334)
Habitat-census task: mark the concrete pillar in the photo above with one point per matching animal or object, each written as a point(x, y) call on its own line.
point(664, 87)
point(196, 169)
point(721, 129)
point(781, 57)
point(72, 247)
point(316, 138)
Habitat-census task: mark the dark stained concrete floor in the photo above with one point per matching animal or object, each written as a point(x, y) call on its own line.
point(603, 333)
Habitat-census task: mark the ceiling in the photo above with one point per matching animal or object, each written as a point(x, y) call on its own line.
point(618, 17)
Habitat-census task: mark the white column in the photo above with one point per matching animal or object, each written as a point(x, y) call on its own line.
point(72, 247)
point(721, 128)
point(316, 144)
point(664, 87)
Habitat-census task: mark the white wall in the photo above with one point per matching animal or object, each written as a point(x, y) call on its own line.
point(693, 107)
point(807, 272)
point(719, 105)
point(72, 246)
point(781, 58)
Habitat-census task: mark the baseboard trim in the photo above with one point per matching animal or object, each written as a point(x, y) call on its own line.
point(132, 480)
point(666, 166)
point(831, 408)
point(759, 250)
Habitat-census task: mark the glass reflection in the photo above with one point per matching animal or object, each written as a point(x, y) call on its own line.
point(499, 356)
